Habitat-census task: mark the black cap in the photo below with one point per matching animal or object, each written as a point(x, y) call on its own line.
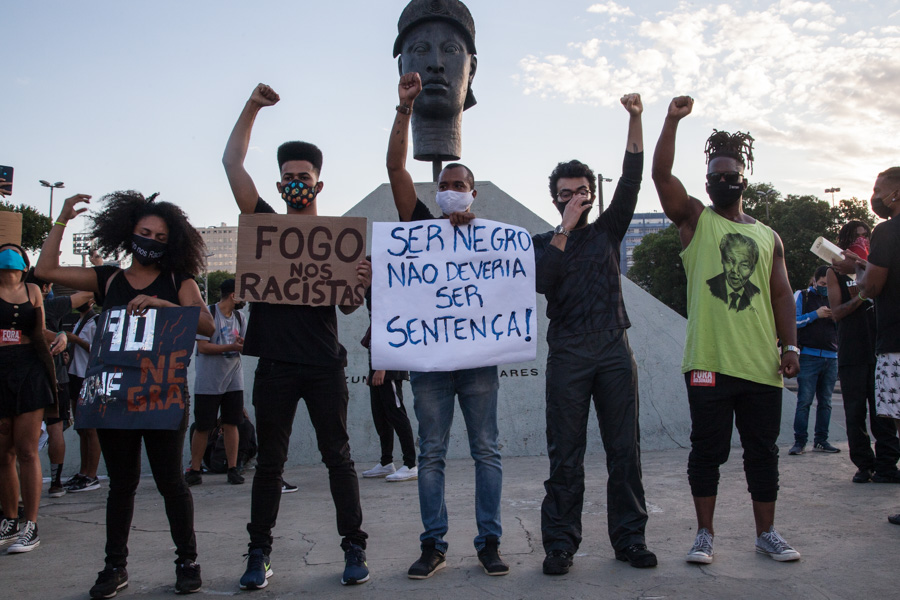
point(451, 11)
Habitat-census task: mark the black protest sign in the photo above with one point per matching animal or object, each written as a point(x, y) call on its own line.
point(137, 373)
point(294, 259)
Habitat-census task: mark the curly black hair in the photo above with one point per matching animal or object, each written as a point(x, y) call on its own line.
point(573, 168)
point(737, 145)
point(847, 235)
point(114, 226)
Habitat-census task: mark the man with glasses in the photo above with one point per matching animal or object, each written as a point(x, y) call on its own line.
point(577, 268)
point(731, 365)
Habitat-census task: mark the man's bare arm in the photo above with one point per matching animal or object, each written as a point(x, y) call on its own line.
point(683, 210)
point(242, 186)
point(839, 310)
point(402, 186)
point(784, 310)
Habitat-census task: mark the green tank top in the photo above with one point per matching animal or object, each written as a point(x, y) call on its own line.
point(731, 325)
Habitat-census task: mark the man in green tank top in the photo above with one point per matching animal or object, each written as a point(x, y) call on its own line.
point(739, 304)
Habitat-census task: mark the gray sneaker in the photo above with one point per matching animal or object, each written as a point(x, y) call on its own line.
point(770, 542)
point(702, 550)
point(797, 448)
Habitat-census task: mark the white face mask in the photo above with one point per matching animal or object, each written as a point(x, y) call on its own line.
point(451, 202)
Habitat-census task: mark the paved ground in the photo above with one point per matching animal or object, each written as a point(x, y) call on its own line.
point(849, 549)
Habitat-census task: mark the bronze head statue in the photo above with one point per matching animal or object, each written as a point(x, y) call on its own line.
point(436, 38)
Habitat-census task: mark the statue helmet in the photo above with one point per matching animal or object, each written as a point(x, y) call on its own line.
point(451, 11)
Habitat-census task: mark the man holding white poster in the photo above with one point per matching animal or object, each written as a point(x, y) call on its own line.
point(436, 387)
point(589, 358)
point(299, 357)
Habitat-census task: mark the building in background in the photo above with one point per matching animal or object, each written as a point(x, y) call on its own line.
point(221, 247)
point(641, 224)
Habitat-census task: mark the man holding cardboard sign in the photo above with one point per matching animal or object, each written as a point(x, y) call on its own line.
point(434, 392)
point(297, 344)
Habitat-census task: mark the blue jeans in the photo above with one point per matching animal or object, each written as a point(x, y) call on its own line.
point(433, 400)
point(816, 379)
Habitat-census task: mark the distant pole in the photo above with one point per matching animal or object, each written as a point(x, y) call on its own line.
point(600, 180)
point(436, 167)
point(52, 186)
point(831, 191)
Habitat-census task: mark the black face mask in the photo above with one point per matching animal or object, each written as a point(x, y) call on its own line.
point(880, 208)
point(239, 305)
point(724, 194)
point(582, 220)
point(146, 251)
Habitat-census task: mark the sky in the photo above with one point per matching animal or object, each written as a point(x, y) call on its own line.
point(143, 95)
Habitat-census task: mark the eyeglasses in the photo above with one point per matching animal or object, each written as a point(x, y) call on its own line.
point(566, 195)
point(730, 177)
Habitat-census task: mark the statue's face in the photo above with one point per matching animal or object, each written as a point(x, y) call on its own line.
point(437, 52)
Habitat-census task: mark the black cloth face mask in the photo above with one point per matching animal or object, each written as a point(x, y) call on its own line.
point(724, 194)
point(146, 251)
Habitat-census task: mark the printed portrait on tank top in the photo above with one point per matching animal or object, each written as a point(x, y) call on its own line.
point(739, 255)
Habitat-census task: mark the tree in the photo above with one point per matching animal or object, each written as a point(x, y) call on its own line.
point(215, 279)
point(658, 269)
point(35, 226)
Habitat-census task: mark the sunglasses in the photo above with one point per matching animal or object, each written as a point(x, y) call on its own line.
point(730, 177)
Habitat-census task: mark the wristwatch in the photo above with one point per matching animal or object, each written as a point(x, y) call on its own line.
point(560, 230)
point(789, 348)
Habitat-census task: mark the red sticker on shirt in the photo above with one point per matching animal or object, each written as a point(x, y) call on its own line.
point(703, 379)
point(11, 336)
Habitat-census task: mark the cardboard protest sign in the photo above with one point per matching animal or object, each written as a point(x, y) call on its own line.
point(10, 227)
point(447, 298)
point(291, 259)
point(137, 371)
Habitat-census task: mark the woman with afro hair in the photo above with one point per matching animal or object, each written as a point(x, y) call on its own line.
point(166, 253)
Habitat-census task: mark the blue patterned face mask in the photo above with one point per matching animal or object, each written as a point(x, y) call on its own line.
point(10, 259)
point(822, 290)
point(297, 194)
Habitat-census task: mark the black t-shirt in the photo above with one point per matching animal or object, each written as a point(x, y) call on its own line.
point(885, 252)
point(294, 333)
point(856, 331)
point(582, 284)
point(120, 293)
point(55, 310)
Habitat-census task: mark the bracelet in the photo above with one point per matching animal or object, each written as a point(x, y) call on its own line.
point(861, 297)
point(404, 108)
point(790, 348)
point(60, 333)
point(61, 224)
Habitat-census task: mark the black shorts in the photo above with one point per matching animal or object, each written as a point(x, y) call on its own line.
point(24, 382)
point(65, 406)
point(206, 409)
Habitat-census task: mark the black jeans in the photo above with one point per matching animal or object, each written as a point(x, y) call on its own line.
point(121, 450)
point(389, 415)
point(599, 367)
point(858, 390)
point(756, 410)
point(276, 391)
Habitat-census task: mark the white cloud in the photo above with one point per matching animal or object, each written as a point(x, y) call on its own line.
point(612, 9)
point(783, 71)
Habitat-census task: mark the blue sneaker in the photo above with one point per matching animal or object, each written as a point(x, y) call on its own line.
point(259, 569)
point(356, 570)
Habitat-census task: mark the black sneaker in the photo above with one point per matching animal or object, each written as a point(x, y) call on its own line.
point(192, 477)
point(109, 581)
point(825, 447)
point(889, 477)
point(355, 568)
point(863, 476)
point(637, 555)
point(234, 476)
point(187, 577)
point(431, 561)
point(83, 483)
point(28, 539)
point(259, 569)
point(490, 557)
point(287, 488)
point(557, 562)
point(9, 530)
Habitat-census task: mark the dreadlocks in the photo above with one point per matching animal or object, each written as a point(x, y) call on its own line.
point(738, 145)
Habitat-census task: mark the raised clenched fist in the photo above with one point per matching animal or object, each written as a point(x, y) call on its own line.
point(263, 95)
point(410, 86)
point(680, 107)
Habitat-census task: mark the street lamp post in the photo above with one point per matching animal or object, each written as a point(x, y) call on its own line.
point(52, 186)
point(832, 191)
point(206, 277)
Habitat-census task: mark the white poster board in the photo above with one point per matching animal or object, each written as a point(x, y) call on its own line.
point(446, 298)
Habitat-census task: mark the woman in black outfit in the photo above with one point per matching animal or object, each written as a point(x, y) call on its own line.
point(166, 252)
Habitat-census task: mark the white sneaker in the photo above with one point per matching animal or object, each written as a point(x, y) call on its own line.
point(380, 470)
point(404, 473)
point(702, 550)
